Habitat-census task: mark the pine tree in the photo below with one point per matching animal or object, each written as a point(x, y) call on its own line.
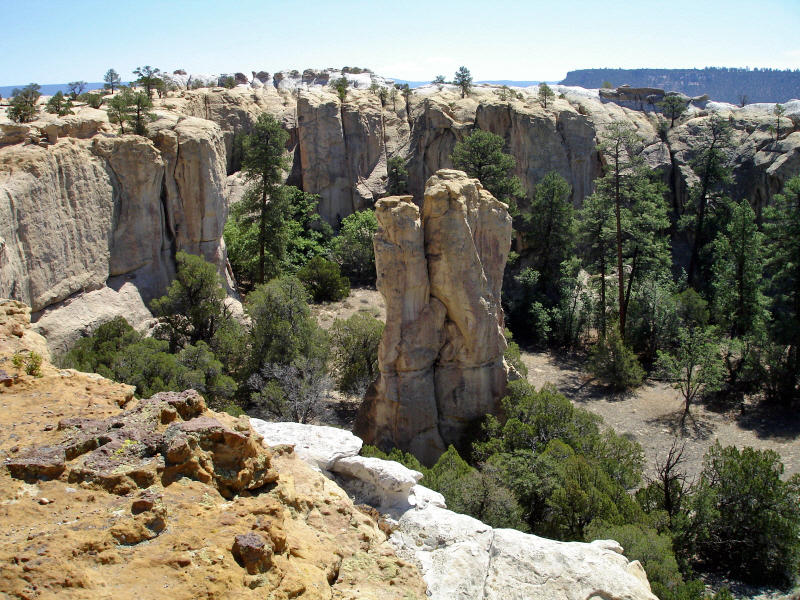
point(711, 164)
point(596, 230)
point(546, 94)
point(481, 156)
point(673, 107)
point(549, 230)
point(397, 176)
point(463, 79)
point(739, 303)
point(149, 78)
point(263, 164)
point(782, 229)
point(112, 80)
point(120, 107)
point(22, 108)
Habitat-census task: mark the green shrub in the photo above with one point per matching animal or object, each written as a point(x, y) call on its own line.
point(30, 363)
point(562, 469)
point(513, 355)
point(96, 353)
point(615, 364)
point(477, 493)
point(282, 329)
point(93, 100)
point(745, 519)
point(323, 280)
point(354, 346)
point(353, 248)
point(652, 549)
point(59, 105)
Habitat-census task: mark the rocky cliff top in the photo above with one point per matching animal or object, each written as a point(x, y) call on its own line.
point(105, 495)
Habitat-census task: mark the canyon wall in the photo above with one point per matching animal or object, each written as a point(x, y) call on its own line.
point(441, 355)
point(340, 150)
point(90, 221)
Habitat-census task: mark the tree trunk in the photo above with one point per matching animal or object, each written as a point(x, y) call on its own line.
point(262, 234)
point(620, 272)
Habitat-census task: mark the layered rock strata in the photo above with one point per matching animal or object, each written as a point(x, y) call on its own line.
point(441, 355)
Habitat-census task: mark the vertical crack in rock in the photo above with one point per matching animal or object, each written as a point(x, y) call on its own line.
point(441, 354)
point(491, 554)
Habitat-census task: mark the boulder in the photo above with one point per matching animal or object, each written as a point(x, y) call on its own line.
point(441, 354)
point(384, 484)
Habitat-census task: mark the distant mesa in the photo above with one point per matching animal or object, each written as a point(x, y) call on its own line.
point(736, 86)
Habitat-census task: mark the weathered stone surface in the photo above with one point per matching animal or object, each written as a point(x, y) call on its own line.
point(441, 354)
point(463, 559)
point(93, 206)
point(252, 552)
point(130, 451)
point(381, 483)
point(319, 446)
point(62, 538)
point(16, 333)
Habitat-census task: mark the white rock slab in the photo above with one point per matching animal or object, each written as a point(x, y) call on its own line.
point(462, 558)
point(319, 446)
point(382, 483)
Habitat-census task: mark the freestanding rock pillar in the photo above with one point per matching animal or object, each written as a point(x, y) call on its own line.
point(441, 355)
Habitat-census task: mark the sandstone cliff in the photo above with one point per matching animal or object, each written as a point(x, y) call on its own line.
point(105, 496)
point(89, 220)
point(93, 220)
point(340, 149)
point(441, 355)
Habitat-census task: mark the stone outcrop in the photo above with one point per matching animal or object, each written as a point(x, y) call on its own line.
point(646, 99)
point(441, 355)
point(86, 211)
point(103, 495)
point(461, 558)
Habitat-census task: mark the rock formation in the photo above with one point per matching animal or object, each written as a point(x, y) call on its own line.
point(425, 128)
point(90, 220)
point(441, 354)
point(93, 219)
point(461, 558)
point(103, 495)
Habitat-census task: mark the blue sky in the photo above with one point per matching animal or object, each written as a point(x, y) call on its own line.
point(49, 41)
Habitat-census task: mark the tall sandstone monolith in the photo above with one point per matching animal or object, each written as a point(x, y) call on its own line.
point(440, 271)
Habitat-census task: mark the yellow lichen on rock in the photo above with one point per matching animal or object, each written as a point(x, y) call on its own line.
point(105, 496)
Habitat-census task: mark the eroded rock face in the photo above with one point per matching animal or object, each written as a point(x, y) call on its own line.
point(441, 354)
point(86, 208)
point(132, 450)
point(196, 518)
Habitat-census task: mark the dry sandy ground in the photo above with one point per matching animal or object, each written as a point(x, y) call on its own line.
point(650, 415)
